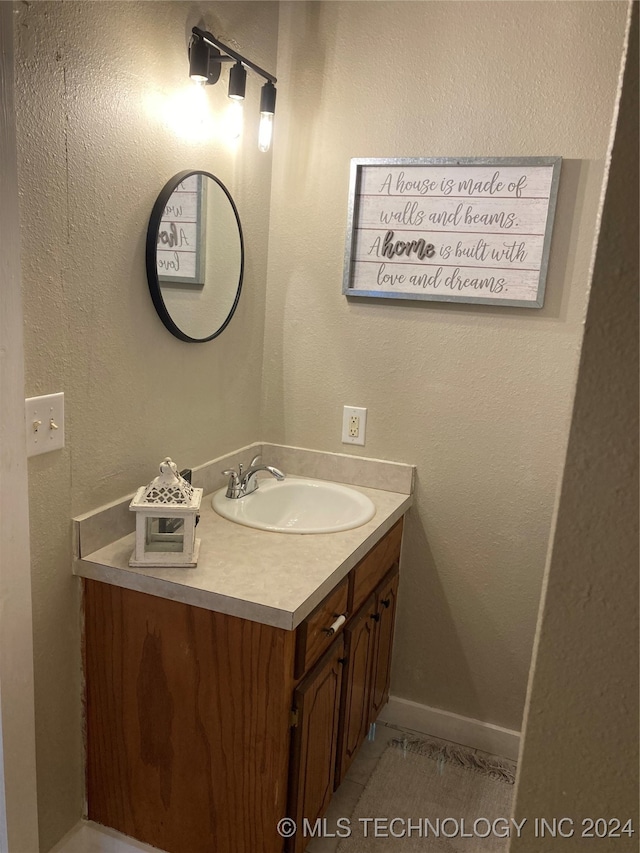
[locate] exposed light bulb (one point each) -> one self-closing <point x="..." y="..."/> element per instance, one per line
<point x="267" y="109"/>
<point x="188" y="115"/>
<point x="235" y="119"/>
<point x="265" y="131"/>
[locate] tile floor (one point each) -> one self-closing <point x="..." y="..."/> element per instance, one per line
<point x="89" y="837"/>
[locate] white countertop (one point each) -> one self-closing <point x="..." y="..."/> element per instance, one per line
<point x="273" y="578"/>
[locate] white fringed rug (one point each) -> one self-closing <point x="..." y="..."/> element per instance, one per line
<point x="435" y="796"/>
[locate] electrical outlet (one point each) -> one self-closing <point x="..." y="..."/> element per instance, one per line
<point x="44" y="420"/>
<point x="354" y="422"/>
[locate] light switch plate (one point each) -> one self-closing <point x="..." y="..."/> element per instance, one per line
<point x="44" y="420"/>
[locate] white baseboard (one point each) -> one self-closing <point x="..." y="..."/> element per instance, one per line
<point x="443" y="724"/>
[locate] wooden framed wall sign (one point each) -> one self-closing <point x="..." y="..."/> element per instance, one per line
<point x="452" y="230"/>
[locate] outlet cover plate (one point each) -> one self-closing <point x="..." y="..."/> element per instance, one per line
<point x="349" y="413"/>
<point x="44" y="421"/>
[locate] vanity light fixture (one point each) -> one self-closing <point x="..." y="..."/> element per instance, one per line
<point x="206" y="55"/>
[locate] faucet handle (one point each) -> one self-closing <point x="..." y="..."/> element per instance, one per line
<point x="234" y="481"/>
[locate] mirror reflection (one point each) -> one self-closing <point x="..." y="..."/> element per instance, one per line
<point x="195" y="256"/>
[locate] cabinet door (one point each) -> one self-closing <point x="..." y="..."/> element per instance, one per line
<point x="386" y="599"/>
<point x="316" y="711"/>
<point x="356" y="685"/>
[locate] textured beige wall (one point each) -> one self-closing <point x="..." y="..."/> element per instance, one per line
<point x="477" y="397"/>
<point x="18" y="800"/>
<point x="95" y="150"/>
<point x="585" y="678"/>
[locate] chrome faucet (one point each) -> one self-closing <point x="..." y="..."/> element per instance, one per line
<point x="243" y="483"/>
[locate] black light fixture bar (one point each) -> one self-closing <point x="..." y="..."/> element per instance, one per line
<point x="231" y="54"/>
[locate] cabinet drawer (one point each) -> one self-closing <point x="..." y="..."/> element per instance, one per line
<point x="373" y="568"/>
<point x="313" y="634"/>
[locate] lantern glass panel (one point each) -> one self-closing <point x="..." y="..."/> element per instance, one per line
<point x="164" y="535"/>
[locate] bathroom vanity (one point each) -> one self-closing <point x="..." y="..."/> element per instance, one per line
<point x="210" y="717"/>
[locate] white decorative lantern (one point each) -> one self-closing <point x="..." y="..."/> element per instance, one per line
<point x="166" y="516"/>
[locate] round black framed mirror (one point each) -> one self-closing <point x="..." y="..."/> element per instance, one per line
<point x="195" y="256"/>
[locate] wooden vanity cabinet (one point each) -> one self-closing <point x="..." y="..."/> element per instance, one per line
<point x="203" y="730"/>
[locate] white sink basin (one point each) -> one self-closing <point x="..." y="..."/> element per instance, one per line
<point x="297" y="506"/>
